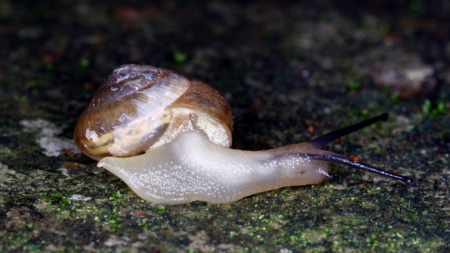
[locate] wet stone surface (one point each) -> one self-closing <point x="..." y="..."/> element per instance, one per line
<point x="290" y="71"/>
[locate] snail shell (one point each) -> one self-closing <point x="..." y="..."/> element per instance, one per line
<point x="140" y="107"/>
<point x="169" y="138"/>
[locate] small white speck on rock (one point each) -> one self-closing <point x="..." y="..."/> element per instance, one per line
<point x="52" y="145"/>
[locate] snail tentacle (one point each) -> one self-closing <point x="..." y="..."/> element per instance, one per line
<point x="334" y="158"/>
<point x="323" y="140"/>
<point x="359" y="165"/>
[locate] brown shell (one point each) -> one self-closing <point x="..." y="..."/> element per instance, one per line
<point x="133" y="109"/>
<point x="205" y="98"/>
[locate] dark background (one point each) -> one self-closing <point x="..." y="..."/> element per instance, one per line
<point x="291" y="70"/>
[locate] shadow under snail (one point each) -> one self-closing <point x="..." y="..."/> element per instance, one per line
<point x="169" y="137"/>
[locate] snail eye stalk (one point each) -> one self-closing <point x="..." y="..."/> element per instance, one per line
<point x="323" y="140"/>
<point x="359" y="165"/>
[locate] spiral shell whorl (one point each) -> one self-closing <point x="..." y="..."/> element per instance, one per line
<point x="124" y="80"/>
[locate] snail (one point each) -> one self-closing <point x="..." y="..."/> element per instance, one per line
<point x="169" y="137"/>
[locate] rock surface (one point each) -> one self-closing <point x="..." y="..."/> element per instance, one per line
<point x="290" y="71"/>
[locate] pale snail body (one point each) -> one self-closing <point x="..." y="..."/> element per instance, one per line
<point x="177" y="173"/>
<point x="186" y="140"/>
